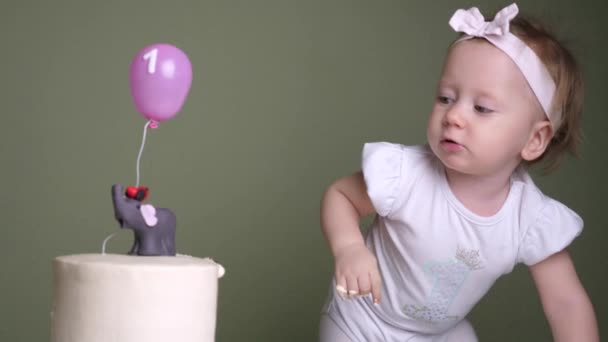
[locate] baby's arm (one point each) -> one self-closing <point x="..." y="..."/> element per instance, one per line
<point x="565" y="302"/>
<point x="343" y="205"/>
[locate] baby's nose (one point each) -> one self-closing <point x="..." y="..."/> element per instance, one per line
<point x="454" y="117"/>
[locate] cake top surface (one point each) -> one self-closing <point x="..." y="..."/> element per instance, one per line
<point x="131" y="260"/>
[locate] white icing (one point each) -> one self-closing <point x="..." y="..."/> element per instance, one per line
<point x="123" y="298"/>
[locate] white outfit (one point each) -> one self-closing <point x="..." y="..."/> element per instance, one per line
<point x="437" y="259"/>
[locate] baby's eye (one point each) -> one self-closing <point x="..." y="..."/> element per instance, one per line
<point x="443" y="99"/>
<point x="482" y="109"/>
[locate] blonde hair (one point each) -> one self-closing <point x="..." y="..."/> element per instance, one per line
<point x="568" y="99"/>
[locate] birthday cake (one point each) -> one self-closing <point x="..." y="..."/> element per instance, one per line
<point x="126" y="298"/>
<point x="150" y="294"/>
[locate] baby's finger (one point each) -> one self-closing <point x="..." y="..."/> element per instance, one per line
<point x="376" y="283"/>
<point x="341" y="286"/>
<point x="364" y="285"/>
<point x="352" y="286"/>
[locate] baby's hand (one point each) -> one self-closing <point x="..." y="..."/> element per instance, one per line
<point x="357" y="272"/>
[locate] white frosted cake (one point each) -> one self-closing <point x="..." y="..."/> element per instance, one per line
<point x="124" y="298"/>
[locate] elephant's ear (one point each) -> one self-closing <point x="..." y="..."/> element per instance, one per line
<point x="149" y="214"/>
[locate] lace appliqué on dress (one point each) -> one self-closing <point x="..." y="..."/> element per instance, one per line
<point x="448" y="277"/>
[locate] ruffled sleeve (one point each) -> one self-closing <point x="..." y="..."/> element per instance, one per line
<point x="389" y="171"/>
<point x="554" y="229"/>
<point x="381" y="166"/>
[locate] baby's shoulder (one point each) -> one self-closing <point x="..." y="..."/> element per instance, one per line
<point x="390" y="171"/>
<point x="419" y="150"/>
<point x="397" y="155"/>
<point x="538" y="209"/>
<point x="546" y="224"/>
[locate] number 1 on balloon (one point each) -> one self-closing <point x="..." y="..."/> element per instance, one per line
<point x="151" y="56"/>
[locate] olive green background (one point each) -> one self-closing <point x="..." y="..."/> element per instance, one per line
<point x="284" y="94"/>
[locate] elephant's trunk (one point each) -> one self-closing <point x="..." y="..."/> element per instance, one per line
<point x="117" y="200"/>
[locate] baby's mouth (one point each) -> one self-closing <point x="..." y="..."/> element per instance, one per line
<point x="450" y="145"/>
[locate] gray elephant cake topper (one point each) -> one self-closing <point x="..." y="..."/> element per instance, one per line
<point x="153" y="228"/>
<point x="158" y="97"/>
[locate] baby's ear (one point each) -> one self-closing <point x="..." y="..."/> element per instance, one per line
<point x="539" y="139"/>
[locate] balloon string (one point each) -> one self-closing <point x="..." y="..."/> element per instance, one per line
<point x="105" y="241"/>
<point x="141" y="150"/>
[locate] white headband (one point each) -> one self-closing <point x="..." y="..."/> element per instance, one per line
<point x="472" y="23"/>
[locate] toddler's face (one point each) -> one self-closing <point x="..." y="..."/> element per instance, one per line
<point x="484" y="111"/>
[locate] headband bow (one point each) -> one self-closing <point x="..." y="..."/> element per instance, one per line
<point x="472" y="23"/>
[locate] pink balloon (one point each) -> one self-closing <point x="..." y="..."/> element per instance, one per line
<point x="160" y="77"/>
